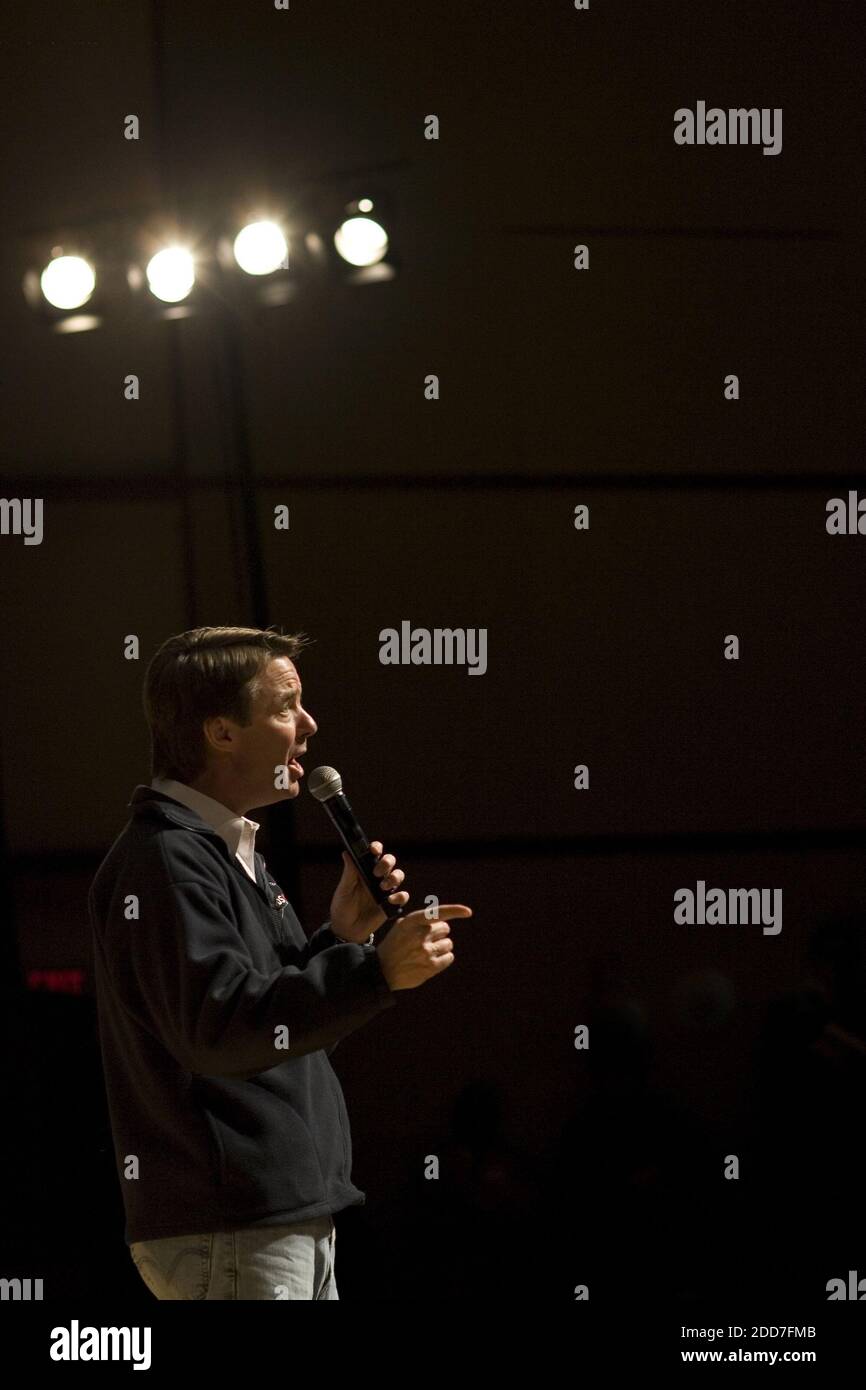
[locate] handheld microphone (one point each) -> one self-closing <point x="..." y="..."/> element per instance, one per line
<point x="326" y="785"/>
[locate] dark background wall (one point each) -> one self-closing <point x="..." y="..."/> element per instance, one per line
<point x="605" y="646"/>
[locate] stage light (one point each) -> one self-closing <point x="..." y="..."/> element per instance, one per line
<point x="171" y="274"/>
<point x="261" y="248"/>
<point x="67" y="282"/>
<point x="361" y="241"/>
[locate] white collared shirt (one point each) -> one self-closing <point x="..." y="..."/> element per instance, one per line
<point x="239" y="832"/>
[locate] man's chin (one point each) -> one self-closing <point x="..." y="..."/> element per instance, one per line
<point x="275" y="795"/>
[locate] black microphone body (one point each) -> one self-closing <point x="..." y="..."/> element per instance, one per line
<point x="343" y="818"/>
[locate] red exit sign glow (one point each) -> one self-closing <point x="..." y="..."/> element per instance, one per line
<point x="58" y="981"/>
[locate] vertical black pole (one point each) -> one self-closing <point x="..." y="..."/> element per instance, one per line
<point x="280" y="832"/>
<point x="168" y="193"/>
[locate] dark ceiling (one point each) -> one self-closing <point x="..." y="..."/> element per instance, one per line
<point x="556" y="127"/>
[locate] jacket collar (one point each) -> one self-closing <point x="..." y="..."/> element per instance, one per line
<point x="147" y="801"/>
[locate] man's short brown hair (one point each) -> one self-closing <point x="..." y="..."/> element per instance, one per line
<point x="201" y="673"/>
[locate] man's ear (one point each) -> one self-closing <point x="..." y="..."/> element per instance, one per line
<point x="218" y="733"/>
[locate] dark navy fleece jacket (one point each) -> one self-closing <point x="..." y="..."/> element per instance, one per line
<point x="201" y="976"/>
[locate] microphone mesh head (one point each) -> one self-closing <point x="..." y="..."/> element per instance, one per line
<point x="325" y="782"/>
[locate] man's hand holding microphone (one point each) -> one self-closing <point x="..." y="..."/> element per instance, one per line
<point x="369" y="895"/>
<point x="418" y="946"/>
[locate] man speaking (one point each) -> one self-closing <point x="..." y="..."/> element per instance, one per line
<point x="216" y="1015"/>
